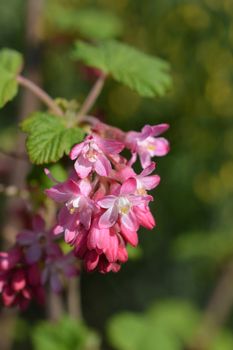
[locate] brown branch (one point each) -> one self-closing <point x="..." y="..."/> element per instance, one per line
<point x="15" y="155"/>
<point x="216" y="313"/>
<point x="74" y="299"/>
<point x="41" y="94"/>
<point x="92" y="96"/>
<point x="55" y="308"/>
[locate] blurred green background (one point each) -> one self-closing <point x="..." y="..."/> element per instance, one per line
<point x="157" y="299"/>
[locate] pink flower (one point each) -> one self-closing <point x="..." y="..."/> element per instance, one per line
<point x="78" y="205"/>
<point x="58" y="267"/>
<point x="34" y="241"/>
<point x="144" y="216"/>
<point x="107" y="241"/>
<point x="101" y="245"/>
<point x="9" y="259"/>
<point x="143" y="181"/>
<point x="146" y="144"/>
<point x="120" y="207"/>
<point x="107" y="131"/>
<point x="19" y="282"/>
<point x="92" y="155"/>
<point x="105" y="201"/>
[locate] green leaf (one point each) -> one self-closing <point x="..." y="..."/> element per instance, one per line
<point x="167" y="325"/>
<point x="66" y="334"/>
<point x="223" y="341"/>
<point x="130" y="331"/>
<point x="147" y="75"/>
<point x="178" y="317"/>
<point x="10" y="65"/>
<point x="48" y="137"/>
<point x="126" y="330"/>
<point x="89" y="22"/>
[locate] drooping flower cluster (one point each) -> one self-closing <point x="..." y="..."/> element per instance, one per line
<point x="104" y="200"/>
<point x="34" y="260"/>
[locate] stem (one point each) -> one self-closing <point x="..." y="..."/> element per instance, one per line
<point x="74" y="299"/>
<point x="217" y="311"/>
<point x="41" y="94"/>
<point x="92" y="96"/>
<point x="55" y="307"/>
<point x="15" y="155"/>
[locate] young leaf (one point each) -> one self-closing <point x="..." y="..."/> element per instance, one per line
<point x="147" y="75"/>
<point x="10" y="65"/>
<point x="89" y="22"/>
<point x="48" y="137"/>
<point x="63" y="335"/>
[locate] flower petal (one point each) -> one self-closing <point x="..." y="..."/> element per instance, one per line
<point x="102" y="166"/>
<point x="145" y="158"/>
<point x="128" y="187"/>
<point x="76" y="150"/>
<point x="150" y="182"/>
<point x="110" y="146"/>
<point x="129" y="221"/>
<point x="109" y="218"/>
<point x="159" y="129"/>
<point x="82" y="167"/>
<point x="162" y="147"/>
<point x="148" y="170"/>
<point x="91" y="260"/>
<point x="33" y="253"/>
<point x="130" y="236"/>
<point x="107" y="201"/>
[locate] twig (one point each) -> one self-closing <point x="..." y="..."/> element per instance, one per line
<point x="55" y="307"/>
<point x="216" y="313"/>
<point x="74" y="299"/>
<point x="92" y="96"/>
<point x="41" y="94"/>
<point x="15" y="155"/>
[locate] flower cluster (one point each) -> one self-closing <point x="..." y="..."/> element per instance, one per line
<point x="104" y="200"/>
<point x="34" y="260"/>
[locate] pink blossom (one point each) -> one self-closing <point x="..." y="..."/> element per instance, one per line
<point x="107" y="131"/>
<point x="9" y="259"/>
<point x="92" y="155"/>
<point x="105" y="201"/>
<point x="144" y="182"/>
<point x="107" y="241"/>
<point x="34" y="241"/>
<point x="101" y="245"/>
<point x="78" y="205"/>
<point x="146" y="144"/>
<point x="19" y="282"/>
<point x="120" y="207"/>
<point x="58" y="267"/>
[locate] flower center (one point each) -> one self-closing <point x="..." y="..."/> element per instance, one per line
<point x="73" y="204"/>
<point x="151" y="147"/>
<point x="148" y="144"/>
<point x="92" y="155"/>
<point x="141" y="191"/>
<point x="124" y="205"/>
<point x="92" y="152"/>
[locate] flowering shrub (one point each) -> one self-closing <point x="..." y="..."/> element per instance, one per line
<point x="103" y="202"/>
